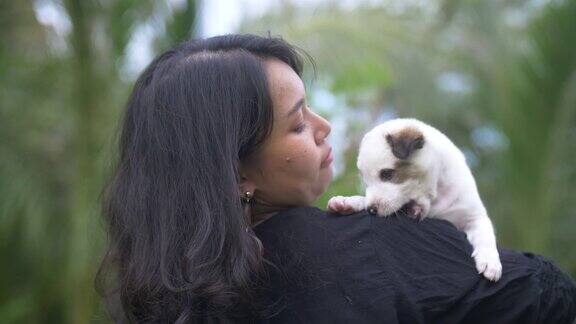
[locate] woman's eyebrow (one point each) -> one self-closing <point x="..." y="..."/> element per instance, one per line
<point x="296" y="107"/>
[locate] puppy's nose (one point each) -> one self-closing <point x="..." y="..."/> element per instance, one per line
<point x="372" y="209"/>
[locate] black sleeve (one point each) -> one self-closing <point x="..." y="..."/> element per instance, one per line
<point x="365" y="269"/>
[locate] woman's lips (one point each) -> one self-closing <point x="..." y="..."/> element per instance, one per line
<point x="328" y="159"/>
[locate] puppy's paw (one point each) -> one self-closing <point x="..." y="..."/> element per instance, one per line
<point x="338" y="205"/>
<point x="346" y="205"/>
<point x="488" y="263"/>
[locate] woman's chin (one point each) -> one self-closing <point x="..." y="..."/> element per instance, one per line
<point x="323" y="182"/>
<point x="326" y="176"/>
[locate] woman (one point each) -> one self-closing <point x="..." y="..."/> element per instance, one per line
<point x="209" y="220"/>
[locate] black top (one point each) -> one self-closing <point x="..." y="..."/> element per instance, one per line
<point x="367" y="269"/>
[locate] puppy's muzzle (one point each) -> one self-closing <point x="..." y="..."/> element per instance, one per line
<point x="373" y="209"/>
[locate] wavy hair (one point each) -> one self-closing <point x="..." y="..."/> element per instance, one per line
<point x="179" y="248"/>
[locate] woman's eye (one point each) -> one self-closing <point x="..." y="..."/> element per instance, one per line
<point x="386" y="174"/>
<point x="300" y="128"/>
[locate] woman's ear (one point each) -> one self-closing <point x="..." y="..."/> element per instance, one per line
<point x="245" y="184"/>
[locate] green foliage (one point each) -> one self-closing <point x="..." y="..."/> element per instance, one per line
<point x="369" y="74"/>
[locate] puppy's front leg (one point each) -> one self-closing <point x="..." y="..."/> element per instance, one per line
<point x="346" y="205"/>
<point x="480" y="233"/>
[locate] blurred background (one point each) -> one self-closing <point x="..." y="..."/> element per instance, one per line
<point x="497" y="76"/>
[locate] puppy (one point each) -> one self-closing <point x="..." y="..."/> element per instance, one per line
<point x="405" y="162"/>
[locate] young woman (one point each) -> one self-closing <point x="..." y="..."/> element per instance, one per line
<point x="209" y="220"/>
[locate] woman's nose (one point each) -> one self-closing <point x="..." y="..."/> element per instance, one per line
<point x="323" y="130"/>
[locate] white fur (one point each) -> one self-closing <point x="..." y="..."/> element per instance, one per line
<point x="447" y="190"/>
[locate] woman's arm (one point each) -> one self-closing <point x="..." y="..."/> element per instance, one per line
<point x="435" y="267"/>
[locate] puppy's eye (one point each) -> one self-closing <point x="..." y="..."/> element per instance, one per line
<point x="386" y="174"/>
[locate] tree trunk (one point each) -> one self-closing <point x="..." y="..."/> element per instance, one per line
<point x="84" y="191"/>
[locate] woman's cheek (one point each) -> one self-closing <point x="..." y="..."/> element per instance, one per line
<point x="299" y="157"/>
<point x="291" y="167"/>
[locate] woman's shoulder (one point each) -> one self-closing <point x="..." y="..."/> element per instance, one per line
<point x="361" y="240"/>
<point x="368" y="265"/>
<point x="320" y="225"/>
<point x="369" y="251"/>
<point x="310" y="233"/>
<point x="307" y="220"/>
<point x="325" y="269"/>
<point x="371" y="267"/>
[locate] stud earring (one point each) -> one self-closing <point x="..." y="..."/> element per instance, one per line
<point x="247" y="198"/>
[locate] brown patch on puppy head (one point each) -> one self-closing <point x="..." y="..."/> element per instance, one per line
<point x="404" y="170"/>
<point x="405" y="142"/>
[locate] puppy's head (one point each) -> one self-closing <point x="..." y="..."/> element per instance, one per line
<point x="391" y="164"/>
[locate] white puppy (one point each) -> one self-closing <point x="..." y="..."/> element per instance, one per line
<point x="404" y="162"/>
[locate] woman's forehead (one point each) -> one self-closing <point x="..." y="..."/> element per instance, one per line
<point x="286" y="87"/>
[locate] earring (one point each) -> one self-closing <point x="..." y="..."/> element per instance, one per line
<point x="247" y="199"/>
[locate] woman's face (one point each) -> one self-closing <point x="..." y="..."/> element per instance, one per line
<point x="294" y="165"/>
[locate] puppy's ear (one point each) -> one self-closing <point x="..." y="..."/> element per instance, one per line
<point x="405" y="142"/>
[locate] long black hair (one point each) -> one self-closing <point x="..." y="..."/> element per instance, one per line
<point x="180" y="249"/>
